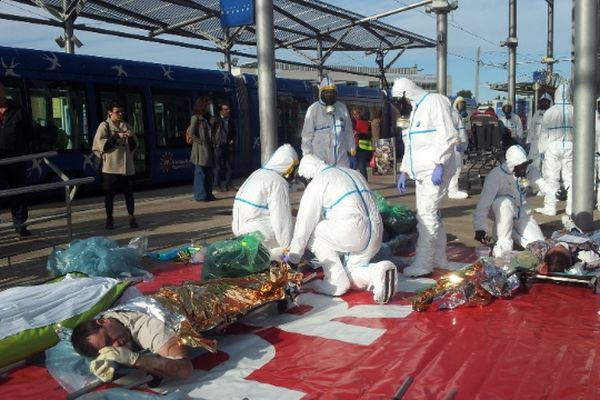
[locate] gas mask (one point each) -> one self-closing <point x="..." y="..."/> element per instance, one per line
<point x="520" y="171"/>
<point x="507" y="111"/>
<point x="329" y="97"/>
<point x="404" y="109"/>
<point x="544" y="104"/>
<point x="292" y="172"/>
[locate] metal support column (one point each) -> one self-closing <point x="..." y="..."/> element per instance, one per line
<point x="584" y="100"/>
<point x="69" y="36"/>
<point x="512" y="43"/>
<point x="550" y="46"/>
<point x="442" y="52"/>
<point x="319" y="60"/>
<point x="477" y="66"/>
<point x="267" y="90"/>
<point x="227" y="51"/>
<point x="441" y="8"/>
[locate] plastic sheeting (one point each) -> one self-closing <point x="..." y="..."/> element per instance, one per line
<point x="542" y="344"/>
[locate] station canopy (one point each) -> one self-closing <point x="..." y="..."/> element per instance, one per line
<point x="299" y="25"/>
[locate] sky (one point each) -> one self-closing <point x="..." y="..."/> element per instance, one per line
<point x="476" y="23"/>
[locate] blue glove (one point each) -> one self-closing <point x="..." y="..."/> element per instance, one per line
<point x="353" y="162"/>
<point x="438" y="173"/>
<point x="402" y="183"/>
<point x="542" y="156"/>
<point x="460" y="148"/>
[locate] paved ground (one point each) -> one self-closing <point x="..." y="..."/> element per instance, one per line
<point x="170" y="217"/>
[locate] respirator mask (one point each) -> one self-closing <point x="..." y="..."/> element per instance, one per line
<point x="329" y="97"/>
<point x="404" y="109"/>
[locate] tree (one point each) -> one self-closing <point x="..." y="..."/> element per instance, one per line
<point x="465" y="94"/>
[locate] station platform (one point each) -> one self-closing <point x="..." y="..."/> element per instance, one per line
<point x="170" y="217"/>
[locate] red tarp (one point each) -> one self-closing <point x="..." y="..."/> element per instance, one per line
<point x="539" y="345"/>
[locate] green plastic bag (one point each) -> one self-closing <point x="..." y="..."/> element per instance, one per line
<point x="397" y="218"/>
<point x="239" y="256"/>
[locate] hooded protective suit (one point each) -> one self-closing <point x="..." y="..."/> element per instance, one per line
<point x="328" y="136"/>
<point x="556" y="142"/>
<point x="339" y="217"/>
<point x="513" y="122"/>
<point x="463" y="125"/>
<point x="429" y="141"/>
<point x="533" y="138"/>
<point x="504" y="200"/>
<point x="262" y="203"/>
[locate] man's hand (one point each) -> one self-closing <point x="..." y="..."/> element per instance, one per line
<point x="401" y="185"/>
<point x="480" y="237"/>
<point x="103" y="369"/>
<point x="121" y="355"/>
<point x="542" y="156"/>
<point x="437" y="174"/>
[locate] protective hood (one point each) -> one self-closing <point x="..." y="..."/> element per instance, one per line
<point x="506" y="103"/>
<point x="326" y="84"/>
<point x="413" y="91"/>
<point x="515" y="155"/>
<point x="563" y="94"/>
<point x="310" y="166"/>
<point x="283" y="160"/>
<point x="457" y="100"/>
<point x="546" y="96"/>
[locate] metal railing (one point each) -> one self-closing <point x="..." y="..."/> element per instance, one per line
<point x="70" y="186"/>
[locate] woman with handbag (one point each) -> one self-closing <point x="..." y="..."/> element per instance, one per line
<point x="203" y="150"/>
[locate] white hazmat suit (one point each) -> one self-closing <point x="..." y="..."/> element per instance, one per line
<point x="513" y="122"/>
<point x="556" y="142"/>
<point x="328" y="135"/>
<point x="428" y="142"/>
<point x="533" y="138"/>
<point x="262" y="203"/>
<point x="504" y="201"/>
<point x="338" y="217"/>
<point x="464" y="126"/>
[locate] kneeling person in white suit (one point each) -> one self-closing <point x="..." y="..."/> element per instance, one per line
<point x="338" y="217"/>
<point x="503" y="199"/>
<point x="263" y="202"/>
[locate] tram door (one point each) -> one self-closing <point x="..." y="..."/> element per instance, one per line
<point x="132" y="100"/>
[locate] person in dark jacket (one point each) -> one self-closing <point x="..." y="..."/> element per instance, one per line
<point x="15" y="139"/>
<point x="225" y="136"/>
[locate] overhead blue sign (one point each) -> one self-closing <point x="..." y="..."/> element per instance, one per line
<point x="237" y="13"/>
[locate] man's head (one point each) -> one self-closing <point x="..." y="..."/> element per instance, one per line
<point x="459" y="104"/>
<point x="310" y="166"/>
<point x="224" y="110"/>
<point x="507" y="108"/>
<point x="516" y="161"/>
<point x="90" y="336"/>
<point x="557" y="259"/>
<point x="356" y="113"/>
<point x="545" y="102"/>
<point x="115" y="112"/>
<point x="328" y="91"/>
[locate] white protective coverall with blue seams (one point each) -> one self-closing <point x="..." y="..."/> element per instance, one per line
<point x="338" y="217"/>
<point x="328" y="135"/>
<point x="504" y="201"/>
<point x="511" y="121"/>
<point x="463" y="122"/>
<point x="533" y="139"/>
<point x="429" y="141"/>
<point x="262" y="203"/>
<point x="556" y="140"/>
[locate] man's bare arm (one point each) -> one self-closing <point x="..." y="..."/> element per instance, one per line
<point x="170" y="361"/>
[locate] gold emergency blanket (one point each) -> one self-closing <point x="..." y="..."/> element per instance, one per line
<point x="208" y="304"/>
<point x="474" y="285"/>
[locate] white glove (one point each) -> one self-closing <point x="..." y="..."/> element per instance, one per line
<point x="103" y="369"/>
<point x="121" y="355"/>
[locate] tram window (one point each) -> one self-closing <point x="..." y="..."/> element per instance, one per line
<point x="59" y="116"/>
<point x="171" y="117"/>
<point x="291" y="119"/>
